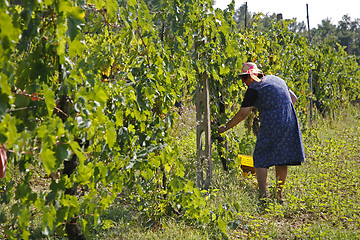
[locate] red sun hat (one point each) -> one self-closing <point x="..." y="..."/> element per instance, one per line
<point x="251" y="69"/>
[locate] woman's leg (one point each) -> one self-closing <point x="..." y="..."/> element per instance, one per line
<point x="281" y="173"/>
<point x="261" y="175"/>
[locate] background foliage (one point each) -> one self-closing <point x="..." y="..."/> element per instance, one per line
<point x="91" y="86"/>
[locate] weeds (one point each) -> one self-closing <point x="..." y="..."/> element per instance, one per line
<point x="322" y="197"/>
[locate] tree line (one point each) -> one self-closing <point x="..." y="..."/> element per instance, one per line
<point x="346" y="32"/>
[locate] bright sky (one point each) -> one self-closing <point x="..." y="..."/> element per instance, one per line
<point x="318" y="9"/>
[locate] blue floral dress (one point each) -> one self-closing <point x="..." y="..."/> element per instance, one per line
<point x="279" y="139"/>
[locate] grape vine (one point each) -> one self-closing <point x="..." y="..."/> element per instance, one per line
<point x="87" y="103"/>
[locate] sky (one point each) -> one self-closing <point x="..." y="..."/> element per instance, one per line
<point x="318" y="9"/>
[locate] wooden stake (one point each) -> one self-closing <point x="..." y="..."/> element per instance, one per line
<point x="245" y="15"/>
<point x="203" y="133"/>
<point x="310" y="72"/>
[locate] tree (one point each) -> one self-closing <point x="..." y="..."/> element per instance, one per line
<point x="241" y="15"/>
<point x="298" y="27"/>
<point x="326" y="31"/>
<point x="348" y="32"/>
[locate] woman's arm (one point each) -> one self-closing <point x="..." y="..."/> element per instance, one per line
<point x="293" y="97"/>
<point x="240" y="115"/>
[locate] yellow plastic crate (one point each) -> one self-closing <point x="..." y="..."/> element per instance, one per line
<point x="246" y="160"/>
<point x="246" y="164"/>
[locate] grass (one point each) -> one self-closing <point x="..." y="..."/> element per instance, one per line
<point x="322" y="196"/>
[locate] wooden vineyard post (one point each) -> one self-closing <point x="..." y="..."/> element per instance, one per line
<point x="203" y="133"/>
<point x="310" y="72"/>
<point x="246" y="14"/>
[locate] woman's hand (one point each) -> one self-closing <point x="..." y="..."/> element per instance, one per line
<point x="241" y="115"/>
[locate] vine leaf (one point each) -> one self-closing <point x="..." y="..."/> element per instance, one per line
<point x="112" y="6"/>
<point x="48" y="159"/>
<point x="132" y="3"/>
<point x="77" y="150"/>
<point x="110" y="135"/>
<point x="74" y="25"/>
<point x="49" y="99"/>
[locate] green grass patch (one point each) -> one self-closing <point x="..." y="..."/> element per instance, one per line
<point x="321" y="196"/>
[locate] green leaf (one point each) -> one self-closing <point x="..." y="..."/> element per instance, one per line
<point x="49" y="99"/>
<point x="85" y="224"/>
<point x="8" y="31"/>
<point x="107" y="224"/>
<point x="99" y="4"/>
<point x="65" y="7"/>
<point x="112" y="6"/>
<point x="61" y="214"/>
<point x="22" y="191"/>
<point x="48" y="159"/>
<point x="76" y="47"/>
<point x="73" y="201"/>
<point x="48" y="2"/>
<point x="74" y="25"/>
<point x="77" y="150"/>
<point x="61" y="153"/>
<point x="110" y="135"/>
<point x="4" y="84"/>
<point x="101" y="95"/>
<point x="4" y="99"/>
<point x="3" y="218"/>
<point x="132" y="3"/>
<point x="49" y="216"/>
<point x="85" y="173"/>
<point x="222" y="224"/>
<point x="61" y="39"/>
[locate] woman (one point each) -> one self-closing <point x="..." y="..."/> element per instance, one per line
<point x="279" y="141"/>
